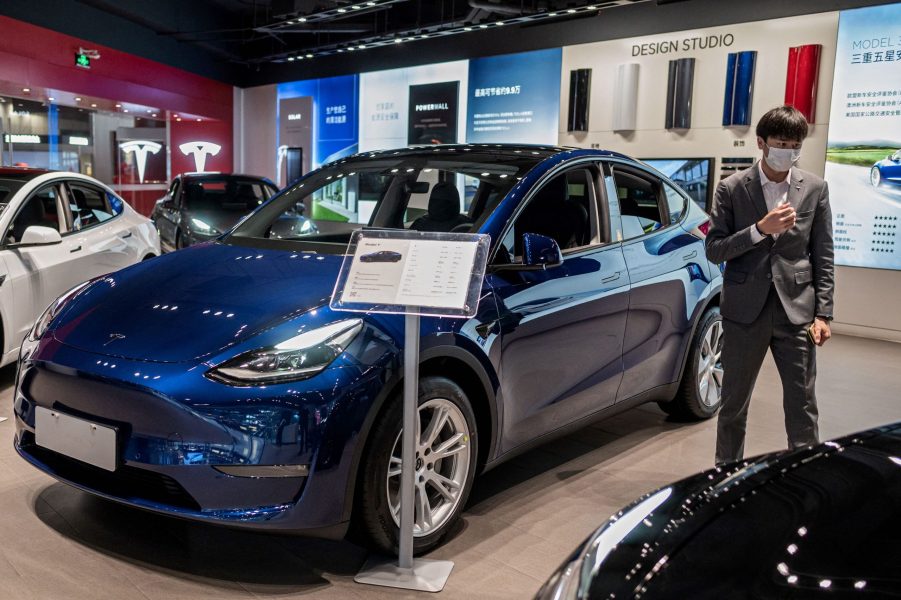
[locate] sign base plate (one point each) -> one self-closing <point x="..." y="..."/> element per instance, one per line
<point x="425" y="576"/>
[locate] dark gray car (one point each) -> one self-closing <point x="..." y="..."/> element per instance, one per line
<point x="199" y="207"/>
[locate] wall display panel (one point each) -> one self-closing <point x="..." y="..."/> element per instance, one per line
<point x="579" y="94"/>
<point x="863" y="160"/>
<point x="739" y="88"/>
<point x="319" y="116"/>
<point x="802" y="78"/>
<point x="691" y="174"/>
<point x="510" y="99"/>
<point x="433" y="113"/>
<point x="625" y="97"/>
<point x="385" y="101"/>
<point x="678" y="93"/>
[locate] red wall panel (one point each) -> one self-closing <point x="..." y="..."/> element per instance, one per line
<point x="801" y="79"/>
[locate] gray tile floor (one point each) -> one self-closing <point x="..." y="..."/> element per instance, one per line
<point x="523" y="518"/>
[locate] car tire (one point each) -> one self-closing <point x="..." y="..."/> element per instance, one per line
<point x="875" y="177"/>
<point x="700" y="392"/>
<point x="442" y="402"/>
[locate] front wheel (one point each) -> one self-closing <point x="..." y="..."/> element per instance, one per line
<point x="444" y="468"/>
<point x="875" y="177"/>
<point x="701" y="391"/>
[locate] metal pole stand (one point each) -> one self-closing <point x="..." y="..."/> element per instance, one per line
<point x="408" y="573"/>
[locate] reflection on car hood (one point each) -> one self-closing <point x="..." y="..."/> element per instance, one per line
<point x="803" y="522"/>
<point x="195" y="302"/>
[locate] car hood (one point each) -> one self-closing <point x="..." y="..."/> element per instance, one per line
<point x="195" y="302"/>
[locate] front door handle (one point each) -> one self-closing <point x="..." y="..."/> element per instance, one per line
<point x="610" y="278"/>
<point x="690" y="255"/>
<point x="75" y="249"/>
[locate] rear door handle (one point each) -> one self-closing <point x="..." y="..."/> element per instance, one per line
<point x="125" y="236"/>
<point x="610" y="278"/>
<point x="75" y="249"/>
<point x="690" y="255"/>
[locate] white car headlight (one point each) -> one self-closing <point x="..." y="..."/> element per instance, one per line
<point x="203" y="228"/>
<point x="296" y="358"/>
<point x="50" y="313"/>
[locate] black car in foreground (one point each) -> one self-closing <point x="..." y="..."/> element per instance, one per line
<point x="819" y="522"/>
<point x="201" y="206"/>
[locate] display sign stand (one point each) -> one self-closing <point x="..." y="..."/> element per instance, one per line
<point x="415" y="274"/>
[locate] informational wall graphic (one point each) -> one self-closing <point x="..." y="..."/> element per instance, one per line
<point x="432" y="115"/>
<point x="512" y="98"/>
<point x="387" y="110"/>
<point x="863" y="159"/>
<point x="333" y="120"/>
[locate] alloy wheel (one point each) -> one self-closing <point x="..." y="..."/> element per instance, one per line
<point x="710" y="366"/>
<point x="441" y="469"/>
<point x="875" y="177"/>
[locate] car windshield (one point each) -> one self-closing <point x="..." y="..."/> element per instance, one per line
<point x="8" y="187"/>
<point x="445" y="189"/>
<point x="226" y="194"/>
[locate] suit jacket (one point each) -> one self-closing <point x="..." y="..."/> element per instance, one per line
<point x="799" y="262"/>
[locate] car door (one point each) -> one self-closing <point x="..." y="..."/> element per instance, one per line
<point x="167" y="214"/>
<point x="36" y="275"/>
<point x="561" y="328"/>
<point x="893" y="171"/>
<point x="105" y="242"/>
<point x="664" y="264"/>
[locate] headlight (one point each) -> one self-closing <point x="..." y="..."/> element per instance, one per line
<point x="300" y="357"/>
<point x="43" y="322"/>
<point x="203" y="228"/>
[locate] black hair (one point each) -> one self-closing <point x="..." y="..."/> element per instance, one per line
<point x="784" y="122"/>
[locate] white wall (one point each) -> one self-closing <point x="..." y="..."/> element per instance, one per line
<point x="864" y="297"/>
<point x="256" y="131"/>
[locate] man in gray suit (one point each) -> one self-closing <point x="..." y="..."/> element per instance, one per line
<point x="772" y="226"/>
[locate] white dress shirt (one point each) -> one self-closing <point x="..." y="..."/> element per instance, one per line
<point x="773" y="193"/>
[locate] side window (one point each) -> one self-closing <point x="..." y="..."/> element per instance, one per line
<point x="639" y="202"/>
<point x="675" y="203"/>
<point x="41" y="208"/>
<point x="88" y="205"/>
<point x="116" y="204"/>
<point x="563" y="209"/>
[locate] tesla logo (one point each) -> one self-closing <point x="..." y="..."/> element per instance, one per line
<point x="141" y="148"/>
<point x="200" y="150"/>
<point x="113" y="337"/>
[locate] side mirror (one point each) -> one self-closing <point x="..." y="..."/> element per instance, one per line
<point x="168" y="203"/>
<point x="539" y="253"/>
<point x="300" y="208"/>
<point x="40" y="236"/>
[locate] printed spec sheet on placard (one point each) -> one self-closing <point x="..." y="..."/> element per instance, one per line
<point x="410" y="273"/>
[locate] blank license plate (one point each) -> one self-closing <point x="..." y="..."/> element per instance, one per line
<point x="77" y="438"/>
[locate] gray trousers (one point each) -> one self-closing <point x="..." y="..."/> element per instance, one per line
<point x="744" y="347"/>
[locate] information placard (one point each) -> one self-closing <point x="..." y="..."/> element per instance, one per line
<point x="412" y="272"/>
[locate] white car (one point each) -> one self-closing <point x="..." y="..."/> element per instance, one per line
<point x="58" y="229"/>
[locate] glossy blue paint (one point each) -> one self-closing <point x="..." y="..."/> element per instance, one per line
<point x="545" y="349"/>
<point x="739" y="88"/>
<point x="888" y="169"/>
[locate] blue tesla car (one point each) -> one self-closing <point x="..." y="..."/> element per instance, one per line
<point x="887" y="170"/>
<point x="216" y="384"/>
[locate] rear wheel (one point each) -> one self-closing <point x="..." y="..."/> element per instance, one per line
<point x="700" y="393"/>
<point x="444" y="467"/>
<point x="875" y="177"/>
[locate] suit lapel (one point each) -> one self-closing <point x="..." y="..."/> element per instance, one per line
<point x="755" y="191"/>
<point x="794" y="197"/>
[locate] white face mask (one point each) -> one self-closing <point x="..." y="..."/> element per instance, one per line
<point x="782" y="159"/>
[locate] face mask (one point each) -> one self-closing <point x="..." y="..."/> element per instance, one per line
<point x="782" y="159"/>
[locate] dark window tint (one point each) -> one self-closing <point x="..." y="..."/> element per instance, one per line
<point x="8" y="187"/>
<point x="231" y="195"/>
<point x="88" y="205"/>
<point x="639" y="202"/>
<point x="40" y="209"/>
<point x="561" y="209"/>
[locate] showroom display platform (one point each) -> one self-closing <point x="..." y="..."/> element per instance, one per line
<point x="522" y="521"/>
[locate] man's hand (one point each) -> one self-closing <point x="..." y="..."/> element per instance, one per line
<point x="778" y="220"/>
<point x="821" y="331"/>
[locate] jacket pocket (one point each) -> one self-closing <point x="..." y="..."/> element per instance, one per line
<point x="804" y="215"/>
<point x="803" y="277"/>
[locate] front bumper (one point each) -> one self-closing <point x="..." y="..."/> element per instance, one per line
<point x="175" y="427"/>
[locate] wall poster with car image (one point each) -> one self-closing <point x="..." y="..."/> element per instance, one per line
<point x="863" y="158"/>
